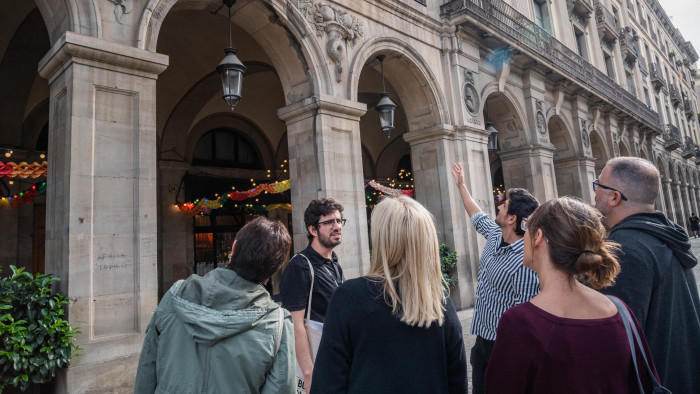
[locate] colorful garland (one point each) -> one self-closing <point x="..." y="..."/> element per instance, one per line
<point x="206" y="206"/>
<point x="25" y="197"/>
<point x="390" y="191"/>
<point x="23" y="169"/>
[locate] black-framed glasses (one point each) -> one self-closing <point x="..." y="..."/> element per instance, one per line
<point x="331" y="222"/>
<point x="597" y="184"/>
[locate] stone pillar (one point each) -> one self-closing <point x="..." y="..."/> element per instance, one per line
<point x="688" y="206"/>
<point x="325" y="160"/>
<point x="101" y="208"/>
<point x="531" y="168"/>
<point x="661" y="199"/>
<point x="667" y="188"/>
<point x="433" y="151"/>
<point x="677" y="196"/>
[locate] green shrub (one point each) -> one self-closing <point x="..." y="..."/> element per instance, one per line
<point x="34" y="337"/>
<point x="448" y="260"/>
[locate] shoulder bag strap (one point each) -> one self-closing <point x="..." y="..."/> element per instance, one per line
<point x="279" y="330"/>
<point x="311" y="289"/>
<point x="632" y="332"/>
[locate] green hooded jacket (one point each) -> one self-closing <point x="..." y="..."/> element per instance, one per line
<point x="217" y="334"/>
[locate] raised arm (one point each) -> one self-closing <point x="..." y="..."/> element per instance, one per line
<point x="469" y="204"/>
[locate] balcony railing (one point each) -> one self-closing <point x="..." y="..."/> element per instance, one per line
<point x="627" y="44"/>
<point x="607" y="23"/>
<point x="675" y="97"/>
<point x="656" y="79"/>
<point x="688" y="148"/>
<point x="672" y="138"/>
<point x="517" y="30"/>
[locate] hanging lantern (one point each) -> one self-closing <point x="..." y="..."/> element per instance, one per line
<point x="231" y="69"/>
<point x="493" y="137"/>
<point x="385" y="107"/>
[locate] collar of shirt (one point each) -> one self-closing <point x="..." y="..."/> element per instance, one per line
<point x="514" y="247"/>
<point x="317" y="259"/>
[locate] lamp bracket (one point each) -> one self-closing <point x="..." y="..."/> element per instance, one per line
<point x="229" y="3"/>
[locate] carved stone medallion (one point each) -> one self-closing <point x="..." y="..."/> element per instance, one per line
<point x="470" y="95"/>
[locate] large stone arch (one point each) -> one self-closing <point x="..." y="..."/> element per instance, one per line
<point x="566" y="160"/>
<point x="515" y="111"/>
<point x="78" y="16"/>
<point x="419" y="91"/>
<point x="293" y="39"/>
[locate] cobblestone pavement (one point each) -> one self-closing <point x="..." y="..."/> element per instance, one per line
<point x="465" y="316"/>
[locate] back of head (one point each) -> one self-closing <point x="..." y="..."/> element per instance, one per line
<point x="319" y="207"/>
<point x="576" y="238"/>
<point x="637" y="178"/>
<point x="521" y="204"/>
<point x="406" y="259"/>
<point x="262" y="246"/>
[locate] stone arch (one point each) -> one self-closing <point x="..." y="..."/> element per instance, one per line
<point x="507" y="116"/>
<point x="389" y="157"/>
<point x="235" y="121"/>
<point x="644" y="154"/>
<point x="82" y="17"/>
<point x="34" y="123"/>
<point x="566" y="163"/>
<point x="419" y="90"/>
<point x="624" y="148"/>
<point x="369" y="168"/>
<point x="300" y="65"/>
<point x="599" y="151"/>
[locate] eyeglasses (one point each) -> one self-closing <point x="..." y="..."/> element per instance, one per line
<point x="597" y="184"/>
<point x="331" y="222"/>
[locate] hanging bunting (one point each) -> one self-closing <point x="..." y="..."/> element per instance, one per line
<point x="390" y="191"/>
<point x="205" y="206"/>
<point x="23" y="169"/>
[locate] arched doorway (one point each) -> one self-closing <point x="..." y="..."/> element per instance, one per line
<point x="566" y="163"/>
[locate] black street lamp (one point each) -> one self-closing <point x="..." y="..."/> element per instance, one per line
<point x="385" y="107"/>
<point x="231" y="69"/>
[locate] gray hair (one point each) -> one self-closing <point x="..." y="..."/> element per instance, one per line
<point x="638" y="178"/>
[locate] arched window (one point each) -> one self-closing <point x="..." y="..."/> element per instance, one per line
<point x="224" y="147"/>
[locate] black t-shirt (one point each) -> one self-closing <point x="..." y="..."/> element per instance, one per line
<point x="296" y="280"/>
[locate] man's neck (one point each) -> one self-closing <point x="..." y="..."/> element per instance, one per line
<point x="509" y="235"/>
<point x="617" y="216"/>
<point x="322" y="250"/>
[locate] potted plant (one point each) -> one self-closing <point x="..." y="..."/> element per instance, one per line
<point x="671" y="54"/>
<point x="448" y="260"/>
<point x="35" y="339"/>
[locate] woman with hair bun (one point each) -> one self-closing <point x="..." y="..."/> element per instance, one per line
<point x="569" y="338"/>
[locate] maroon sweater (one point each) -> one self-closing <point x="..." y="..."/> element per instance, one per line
<point x="537" y="352"/>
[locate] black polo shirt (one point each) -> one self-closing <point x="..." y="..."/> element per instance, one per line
<point x="296" y="280"/>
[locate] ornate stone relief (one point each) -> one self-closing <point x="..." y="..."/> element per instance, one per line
<point x="121" y="8"/>
<point x="470" y="96"/>
<point x="541" y="121"/>
<point x="616" y="146"/>
<point x="637" y="149"/>
<point x="584" y="134"/>
<point x="337" y="24"/>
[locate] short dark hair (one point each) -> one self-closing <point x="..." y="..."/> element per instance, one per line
<point x="521" y="204"/>
<point x="317" y="208"/>
<point x="262" y="247"/>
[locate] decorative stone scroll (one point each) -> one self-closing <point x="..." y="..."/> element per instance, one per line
<point x="337" y="24"/>
<point x="471" y="98"/>
<point x="541" y="121"/>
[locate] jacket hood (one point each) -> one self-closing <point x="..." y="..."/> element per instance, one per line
<point x="657" y="225"/>
<point x="219" y="305"/>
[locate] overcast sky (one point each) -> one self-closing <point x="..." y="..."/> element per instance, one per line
<point x="684" y="15"/>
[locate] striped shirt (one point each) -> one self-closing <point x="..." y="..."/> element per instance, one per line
<point x="503" y="279"/>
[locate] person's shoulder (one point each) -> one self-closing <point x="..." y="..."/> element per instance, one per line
<point x="298" y="261"/>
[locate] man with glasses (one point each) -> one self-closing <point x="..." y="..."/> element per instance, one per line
<point x="503" y="280"/>
<point x="656" y="280"/>
<point x="324" y="225"/>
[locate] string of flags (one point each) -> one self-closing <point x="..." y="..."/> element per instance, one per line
<point x="389" y="190"/>
<point x="24" y="197"/>
<point x="205" y="206"/>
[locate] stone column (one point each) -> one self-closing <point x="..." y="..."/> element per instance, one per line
<point x="325" y="160"/>
<point x="660" y="200"/>
<point x="433" y="151"/>
<point x="101" y="208"/>
<point x="688" y="206"/>
<point x="680" y="209"/>
<point x="531" y="168"/>
<point x="667" y="189"/>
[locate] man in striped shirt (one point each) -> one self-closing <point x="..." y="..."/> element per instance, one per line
<point x="503" y="279"/>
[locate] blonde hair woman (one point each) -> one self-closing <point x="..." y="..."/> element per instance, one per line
<point x="394" y="330"/>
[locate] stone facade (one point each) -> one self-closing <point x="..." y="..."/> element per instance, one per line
<point x="121" y="93"/>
